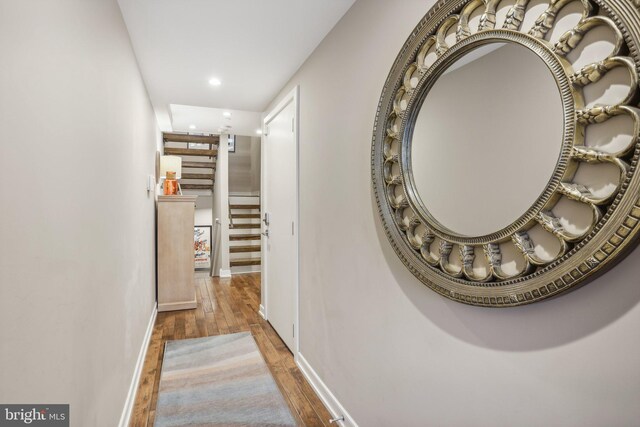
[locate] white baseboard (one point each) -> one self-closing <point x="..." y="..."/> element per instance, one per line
<point x="246" y="269"/>
<point x="333" y="405"/>
<point x="261" y="312"/>
<point x="137" y="373"/>
<point x="225" y="273"/>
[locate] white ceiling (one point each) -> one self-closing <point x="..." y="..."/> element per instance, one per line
<point x="211" y="120"/>
<point x="252" y="46"/>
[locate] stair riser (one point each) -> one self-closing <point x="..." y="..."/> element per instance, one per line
<point x="244" y="256"/>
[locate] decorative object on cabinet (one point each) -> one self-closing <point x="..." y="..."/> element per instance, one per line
<point x="170" y="184"/>
<point x="171" y="172"/>
<point x="490" y="194"/>
<point x="171" y="164"/>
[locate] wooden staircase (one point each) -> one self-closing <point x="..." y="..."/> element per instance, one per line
<point x="199" y="154"/>
<point x="244" y="235"/>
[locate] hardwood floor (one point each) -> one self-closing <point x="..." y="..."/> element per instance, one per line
<point x="227" y="306"/>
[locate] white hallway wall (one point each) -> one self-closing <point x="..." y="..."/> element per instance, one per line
<point x="244" y="166"/>
<point x="204" y="210"/>
<point x="77" y="272"/>
<point x="395" y="353"/>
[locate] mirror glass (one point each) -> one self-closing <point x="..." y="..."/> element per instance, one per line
<point x="487" y="139"/>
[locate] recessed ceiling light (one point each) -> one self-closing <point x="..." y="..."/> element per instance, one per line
<point x="192" y="126"/>
<point x="215" y="82"/>
<point x="226" y="114"/>
<point x="259" y="131"/>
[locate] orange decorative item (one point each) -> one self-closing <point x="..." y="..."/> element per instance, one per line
<point x="171" y="184"/>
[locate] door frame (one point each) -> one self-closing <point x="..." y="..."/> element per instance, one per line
<point x="291" y="97"/>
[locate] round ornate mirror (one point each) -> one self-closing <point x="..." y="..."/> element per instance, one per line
<point x="483" y="164"/>
<point x="506" y="144"/>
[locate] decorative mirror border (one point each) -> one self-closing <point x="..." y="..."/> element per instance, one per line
<point x="615" y="229"/>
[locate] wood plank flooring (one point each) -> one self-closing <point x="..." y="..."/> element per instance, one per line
<point x="227" y="306"/>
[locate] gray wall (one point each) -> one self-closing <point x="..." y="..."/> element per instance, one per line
<point x="441" y="143"/>
<point x="77" y="273"/>
<point x="395" y="353"/>
<point x="204" y="210"/>
<point x="244" y="166"/>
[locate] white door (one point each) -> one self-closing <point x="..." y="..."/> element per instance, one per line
<point x="280" y="203"/>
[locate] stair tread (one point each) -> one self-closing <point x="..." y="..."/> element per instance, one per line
<point x="244" y="206"/>
<point x="245" y="261"/>
<point x="245" y="226"/>
<point x="207" y="176"/>
<point x="198" y="139"/>
<point x="236" y="249"/>
<point x="190" y="152"/>
<point x="196" y="186"/>
<point x="244" y="237"/>
<point x="199" y="165"/>
<point x="245" y="216"/>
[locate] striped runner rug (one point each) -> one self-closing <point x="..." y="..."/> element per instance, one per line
<point x="218" y="381"/>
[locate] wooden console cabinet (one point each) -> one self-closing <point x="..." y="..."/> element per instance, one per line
<point x="176" y="265"/>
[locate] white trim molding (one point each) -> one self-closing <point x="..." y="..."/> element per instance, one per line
<point x="246" y="269"/>
<point x="182" y="305"/>
<point x="225" y="273"/>
<point x="262" y="312"/>
<point x="125" y="418"/>
<point x="330" y="401"/>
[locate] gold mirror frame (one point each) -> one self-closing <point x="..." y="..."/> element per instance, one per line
<point x="412" y="231"/>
